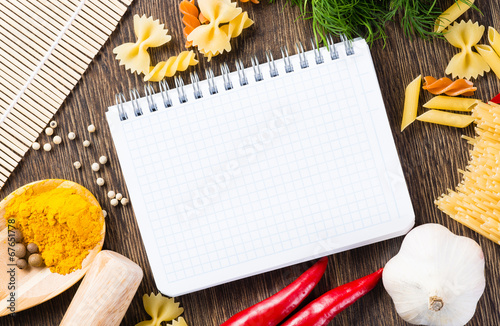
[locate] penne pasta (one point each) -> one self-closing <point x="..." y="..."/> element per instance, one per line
<point x="451" y="103"/>
<point x="490" y="56"/>
<point x="451" y="14"/>
<point x="411" y="102"/>
<point x="446" y="118"/>
<point x="494" y="39"/>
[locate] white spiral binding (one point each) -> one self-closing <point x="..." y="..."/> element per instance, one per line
<point x="225" y="72"/>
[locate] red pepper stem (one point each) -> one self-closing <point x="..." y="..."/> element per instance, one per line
<point x="322" y="310"/>
<point x="274" y="309"/>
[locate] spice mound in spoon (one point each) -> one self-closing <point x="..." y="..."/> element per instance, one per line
<point x="63" y="224"/>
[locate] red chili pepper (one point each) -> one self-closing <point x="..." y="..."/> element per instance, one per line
<point x="274" y="309"/>
<point x="496" y="99"/>
<point x="320" y="311"/>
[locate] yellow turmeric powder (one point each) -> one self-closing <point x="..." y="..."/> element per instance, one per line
<point x="63" y="225"/>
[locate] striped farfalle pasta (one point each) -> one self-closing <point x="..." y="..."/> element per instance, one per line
<point x="161" y="309"/>
<point x="447" y="86"/>
<point x="171" y="66"/>
<point x="190" y="18"/>
<point x="466" y="63"/>
<point x="149" y="33"/>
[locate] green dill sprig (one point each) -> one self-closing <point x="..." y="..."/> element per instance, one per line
<point x="368" y="18"/>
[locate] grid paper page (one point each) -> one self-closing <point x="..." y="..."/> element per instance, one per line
<point x="264" y="175"/>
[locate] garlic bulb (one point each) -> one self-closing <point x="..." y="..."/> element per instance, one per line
<point x="436" y="278"/>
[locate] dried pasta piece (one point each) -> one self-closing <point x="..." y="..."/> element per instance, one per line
<point x="236" y="25"/>
<point x="474" y="202"/>
<point x="171" y="66"/>
<point x="466" y="63"/>
<point x="447" y="86"/>
<point x="253" y="1"/>
<point x="160" y="309"/>
<point x="451" y="14"/>
<point x="490" y="56"/>
<point x="446" y="118"/>
<point x="494" y="39"/>
<point x="149" y="33"/>
<point x="411" y="102"/>
<point x="451" y="103"/>
<point x="190" y="18"/>
<point x="210" y="38"/>
<point x="178" y="322"/>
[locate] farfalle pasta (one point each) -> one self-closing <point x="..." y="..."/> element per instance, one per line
<point x="171" y="66"/>
<point x="466" y="63"/>
<point x="160" y="309"/>
<point x="210" y="38"/>
<point x="236" y="25"/>
<point x="149" y="33"/>
<point x="224" y="21"/>
<point x="178" y="322"/>
<point x="190" y="18"/>
<point x="447" y="86"/>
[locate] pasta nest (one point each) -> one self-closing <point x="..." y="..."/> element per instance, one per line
<point x="466" y="63"/>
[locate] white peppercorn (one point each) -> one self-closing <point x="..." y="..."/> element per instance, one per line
<point x="114" y="201"/>
<point x="47" y="147"/>
<point x="103" y="160"/>
<point x="49" y="131"/>
<point x="71" y="135"/>
<point x="35" y="146"/>
<point x="57" y="140"/>
<point x="86" y="143"/>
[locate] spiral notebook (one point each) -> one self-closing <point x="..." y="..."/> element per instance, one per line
<point x="262" y="167"/>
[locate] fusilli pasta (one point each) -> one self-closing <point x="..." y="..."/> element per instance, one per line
<point x="171" y="66"/>
<point x="447" y="86"/>
<point x="149" y="33"/>
<point x="190" y="18"/>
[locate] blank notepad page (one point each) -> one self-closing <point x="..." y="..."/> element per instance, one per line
<point x="261" y="176"/>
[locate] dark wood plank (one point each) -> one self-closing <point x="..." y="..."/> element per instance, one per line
<point x="430" y="156"/>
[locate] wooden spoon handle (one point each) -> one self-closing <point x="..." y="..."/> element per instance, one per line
<point x="105" y="293"/>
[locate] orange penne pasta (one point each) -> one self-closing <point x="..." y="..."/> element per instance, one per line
<point x="447" y="86"/>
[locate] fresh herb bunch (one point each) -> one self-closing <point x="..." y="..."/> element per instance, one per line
<point x="368" y="18"/>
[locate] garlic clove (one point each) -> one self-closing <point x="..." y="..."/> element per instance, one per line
<point x="436" y="278"/>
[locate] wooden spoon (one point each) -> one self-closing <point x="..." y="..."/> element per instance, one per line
<point x="35" y="285"/>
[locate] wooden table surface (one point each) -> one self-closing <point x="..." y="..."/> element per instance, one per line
<point x="430" y="156"/>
